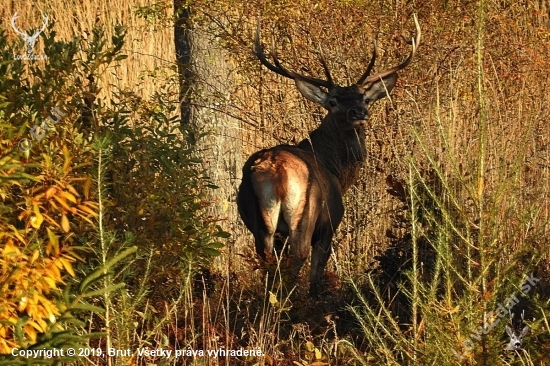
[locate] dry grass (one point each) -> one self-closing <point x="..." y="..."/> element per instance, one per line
<point x="150" y="44"/>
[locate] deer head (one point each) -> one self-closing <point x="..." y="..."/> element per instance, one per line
<point x="516" y="332"/>
<point x="348" y="102"/>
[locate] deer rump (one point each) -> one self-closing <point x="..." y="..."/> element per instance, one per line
<point x="285" y="191"/>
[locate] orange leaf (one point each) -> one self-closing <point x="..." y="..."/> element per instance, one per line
<point x="87" y="186"/>
<point x="65" y="223"/>
<point x="69" y="196"/>
<point x="62" y="203"/>
<point x="71" y="189"/>
<point x="51" y="191"/>
<point x="87" y="210"/>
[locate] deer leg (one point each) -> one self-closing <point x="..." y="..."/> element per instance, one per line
<point x="319" y="258"/>
<point x="299" y="250"/>
<point x="264" y="244"/>
<point x="270" y="216"/>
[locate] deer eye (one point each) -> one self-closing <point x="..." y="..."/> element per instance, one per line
<point x="332" y="103"/>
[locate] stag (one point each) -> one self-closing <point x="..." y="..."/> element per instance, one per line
<point x="294" y="192"/>
<point x="30" y="40"/>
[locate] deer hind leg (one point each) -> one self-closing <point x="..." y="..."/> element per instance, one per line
<point x="295" y="212"/>
<point x="266" y="184"/>
<point x="320" y="254"/>
<point x="270" y="207"/>
<point x="300" y="229"/>
<point x="322" y="244"/>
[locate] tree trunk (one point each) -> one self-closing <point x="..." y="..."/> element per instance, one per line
<point x="182" y="39"/>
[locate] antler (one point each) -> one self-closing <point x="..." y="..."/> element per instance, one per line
<point x="46" y="19"/>
<point x="365" y="78"/>
<point x="361" y="80"/>
<point x="276" y="67"/>
<point x="13" y="18"/>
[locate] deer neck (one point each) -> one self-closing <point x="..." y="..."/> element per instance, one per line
<point x="340" y="153"/>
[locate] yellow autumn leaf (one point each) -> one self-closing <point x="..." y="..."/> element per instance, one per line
<point x="54" y="205"/>
<point x="9" y="248"/>
<point x="318" y="354"/>
<point x="42" y="324"/>
<point x="85" y="218"/>
<point x="310" y="346"/>
<point x="65" y="223"/>
<point x="35" y="255"/>
<point x="72" y="189"/>
<point x="54" y="273"/>
<point x="53" y="243"/>
<point x="272" y="298"/>
<point x="51" y="191"/>
<point x="62" y="203"/>
<point x="23" y="214"/>
<point x="69" y="196"/>
<point x="92" y="204"/>
<point x="18" y="236"/>
<point x="87" y="186"/>
<point x="36" y="326"/>
<point x="22" y="304"/>
<point x="67" y="156"/>
<point x="30" y="332"/>
<point x="37" y="219"/>
<point x="50" y="282"/>
<point x="67" y="265"/>
<point x="86" y="209"/>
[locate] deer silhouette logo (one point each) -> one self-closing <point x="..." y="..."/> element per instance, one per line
<point x="30" y="40"/>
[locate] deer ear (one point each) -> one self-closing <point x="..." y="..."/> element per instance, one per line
<point x="310" y="91"/>
<point x="381" y="88"/>
<point x="525" y="331"/>
<point x="509" y="330"/>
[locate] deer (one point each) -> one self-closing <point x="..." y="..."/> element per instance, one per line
<point x="516" y="332"/>
<point x="292" y="194"/>
<point x="29" y="39"/>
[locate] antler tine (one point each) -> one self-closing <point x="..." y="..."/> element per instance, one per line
<point x="259" y="53"/>
<point x="415" y="43"/>
<point x="277" y="68"/>
<point x="370" y="66"/>
<point x="257" y="50"/>
<point x="46" y="19"/>
<point x="325" y="66"/>
<point x="13" y="18"/>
